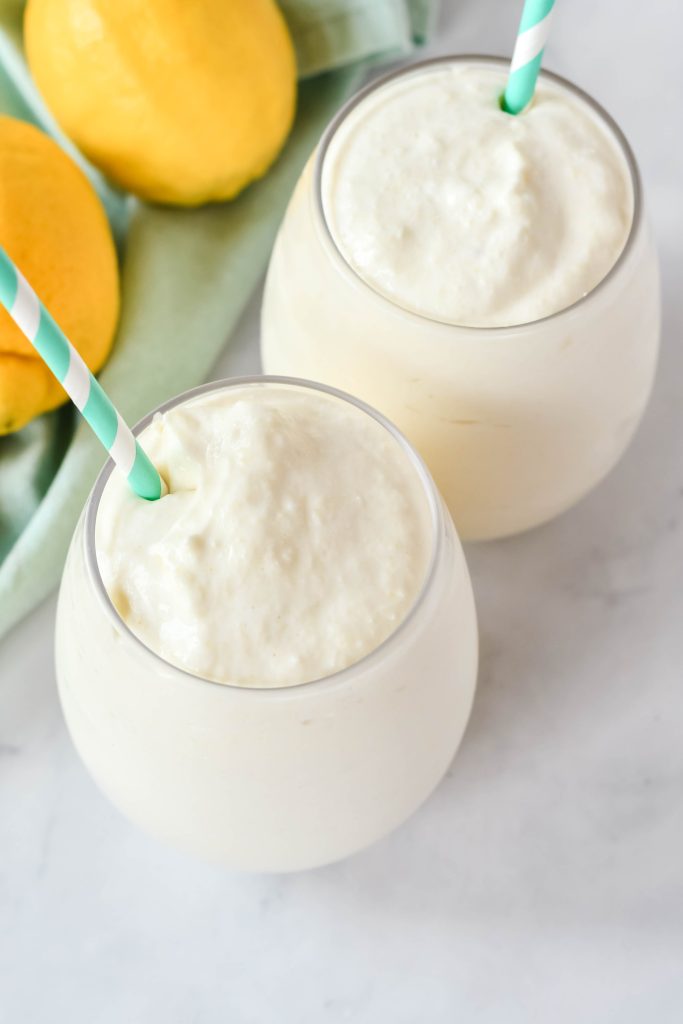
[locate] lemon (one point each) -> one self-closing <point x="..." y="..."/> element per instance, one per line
<point x="53" y="226"/>
<point x="178" y="101"/>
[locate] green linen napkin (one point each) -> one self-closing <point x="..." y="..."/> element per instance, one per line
<point x="186" y="276"/>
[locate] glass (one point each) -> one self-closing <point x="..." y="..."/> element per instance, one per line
<point x="515" y="423"/>
<point x="269" y="779"/>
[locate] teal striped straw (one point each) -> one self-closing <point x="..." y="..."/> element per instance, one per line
<point x="532" y="36"/>
<point x="51" y="344"/>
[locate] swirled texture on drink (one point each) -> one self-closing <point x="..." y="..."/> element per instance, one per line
<point x="294" y="538"/>
<point x="460" y="212"/>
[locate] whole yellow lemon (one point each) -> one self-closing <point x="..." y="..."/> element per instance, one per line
<point x="54" y="227"/>
<point x="178" y="101"/>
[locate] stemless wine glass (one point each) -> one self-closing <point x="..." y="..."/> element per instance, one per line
<point x="515" y="423"/>
<point x="269" y="779"/>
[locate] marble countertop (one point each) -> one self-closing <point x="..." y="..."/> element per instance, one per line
<point x="544" y="879"/>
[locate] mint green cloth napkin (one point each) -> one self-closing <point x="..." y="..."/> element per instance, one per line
<point x="186" y="276"/>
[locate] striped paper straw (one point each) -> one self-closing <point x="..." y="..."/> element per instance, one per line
<point x="532" y="36"/>
<point x="35" y="322"/>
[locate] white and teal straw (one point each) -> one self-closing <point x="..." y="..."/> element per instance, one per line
<point x="51" y="344"/>
<point x="532" y="35"/>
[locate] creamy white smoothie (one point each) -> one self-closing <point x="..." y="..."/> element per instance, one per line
<point x="462" y="213"/>
<point x="273" y="665"/>
<point x="487" y="281"/>
<point x="292" y="541"/>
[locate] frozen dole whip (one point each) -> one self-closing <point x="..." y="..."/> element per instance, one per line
<point x="293" y="541"/>
<point x="272" y="665"/>
<point x="485" y="279"/>
<point x="460" y="212"/>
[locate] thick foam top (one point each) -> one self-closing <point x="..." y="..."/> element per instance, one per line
<point x="294" y="540"/>
<point x="460" y="212"/>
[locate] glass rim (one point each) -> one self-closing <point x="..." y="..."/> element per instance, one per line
<point x="433" y="62"/>
<point x="435" y="513"/>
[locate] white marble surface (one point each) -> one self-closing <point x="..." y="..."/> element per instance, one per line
<point x="544" y="880"/>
